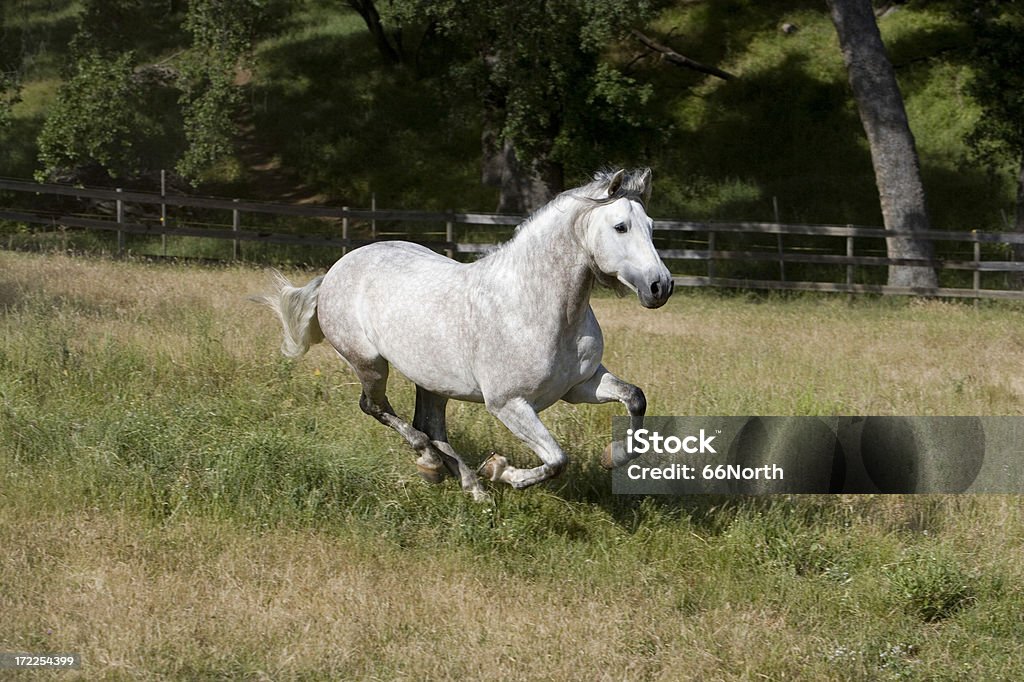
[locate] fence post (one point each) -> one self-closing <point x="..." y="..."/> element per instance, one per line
<point x="449" y="235"/>
<point x="119" y="205"/>
<point x="163" y="211"/>
<point x="782" y="262"/>
<point x="711" y="255"/>
<point x="778" y="240"/>
<point x="235" y="224"/>
<point x="373" y="220"/>
<point x="344" y="230"/>
<point x="977" y="265"/>
<point x="849" y="266"/>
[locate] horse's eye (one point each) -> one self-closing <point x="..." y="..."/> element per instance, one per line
<point x="621" y="228"/>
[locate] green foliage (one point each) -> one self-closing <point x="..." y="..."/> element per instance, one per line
<point x="9" y="85"/>
<point x="94" y="121"/>
<point x="539" y="71"/>
<point x="222" y="37"/>
<point x="113" y="27"/>
<point x="209" y="104"/>
<point x="8" y="97"/>
<point x="997" y="55"/>
<point x="113" y="116"/>
<point x="563" y="81"/>
<point x="932" y="585"/>
<point x="123" y="115"/>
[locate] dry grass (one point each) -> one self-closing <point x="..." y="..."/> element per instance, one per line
<point x="177" y="502"/>
<point x="200" y="600"/>
<point x="700" y="355"/>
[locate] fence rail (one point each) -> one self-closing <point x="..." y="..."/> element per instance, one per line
<point x="859" y="249"/>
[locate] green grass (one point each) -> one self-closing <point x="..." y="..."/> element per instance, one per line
<point x="44" y="28"/>
<point x="179" y="501"/>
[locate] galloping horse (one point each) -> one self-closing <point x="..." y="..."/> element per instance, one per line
<point x="513" y="330"/>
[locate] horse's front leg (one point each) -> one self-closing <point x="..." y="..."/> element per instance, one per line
<point x="605" y="387"/>
<point x="522" y="420"/>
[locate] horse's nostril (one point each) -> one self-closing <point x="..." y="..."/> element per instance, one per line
<point x="655" y="288"/>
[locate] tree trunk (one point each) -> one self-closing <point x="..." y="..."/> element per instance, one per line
<point x="523" y="186"/>
<point x="1019" y="227"/>
<point x="893" y="153"/>
<point x="1018" y="223"/>
<point x="392" y="53"/>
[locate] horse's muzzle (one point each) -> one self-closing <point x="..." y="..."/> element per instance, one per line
<point x="656" y="292"/>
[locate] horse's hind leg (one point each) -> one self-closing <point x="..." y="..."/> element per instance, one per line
<point x="373" y="375"/>
<point x="430" y="419"/>
<point x="434" y="451"/>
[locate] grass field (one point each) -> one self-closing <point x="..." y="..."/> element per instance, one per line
<point x="179" y="502"/>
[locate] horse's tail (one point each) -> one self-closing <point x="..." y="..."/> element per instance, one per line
<point x="295" y="307"/>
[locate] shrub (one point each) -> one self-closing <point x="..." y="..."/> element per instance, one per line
<point x="932" y="585"/>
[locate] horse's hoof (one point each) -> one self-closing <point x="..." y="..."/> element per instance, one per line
<point x="613" y="455"/>
<point x="493" y="467"/>
<point x="480" y="495"/>
<point x="433" y="475"/>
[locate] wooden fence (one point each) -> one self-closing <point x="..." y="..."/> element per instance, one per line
<point x="702" y="254"/>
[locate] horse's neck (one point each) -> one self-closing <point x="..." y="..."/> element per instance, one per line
<point x="548" y="267"/>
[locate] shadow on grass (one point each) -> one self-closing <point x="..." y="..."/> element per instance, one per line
<point x="589" y="483"/>
<point x="586" y="485"/>
<point x="785" y="132"/>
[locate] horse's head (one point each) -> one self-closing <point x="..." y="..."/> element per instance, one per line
<point x="617" y="233"/>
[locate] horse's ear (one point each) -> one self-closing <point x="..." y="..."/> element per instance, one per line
<point x="645" y="184"/>
<point x="615" y="184"/>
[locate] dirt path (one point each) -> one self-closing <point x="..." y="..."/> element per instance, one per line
<point x="265" y="172"/>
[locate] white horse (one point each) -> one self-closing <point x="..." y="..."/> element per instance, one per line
<point x="514" y="330"/>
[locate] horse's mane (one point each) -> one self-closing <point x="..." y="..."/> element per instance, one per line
<point x="592" y="195"/>
<point x="632" y="186"/>
<point x="575" y="206"/>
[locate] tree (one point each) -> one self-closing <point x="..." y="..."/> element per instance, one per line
<point x="119" y="116"/>
<point x="997" y="56"/>
<point x="538" y="75"/>
<point x="389" y="43"/>
<point x="893" y="152"/>
<point x="111" y="115"/>
<point x="93" y="127"/>
<point x="9" y="87"/>
<point x="222" y="33"/>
